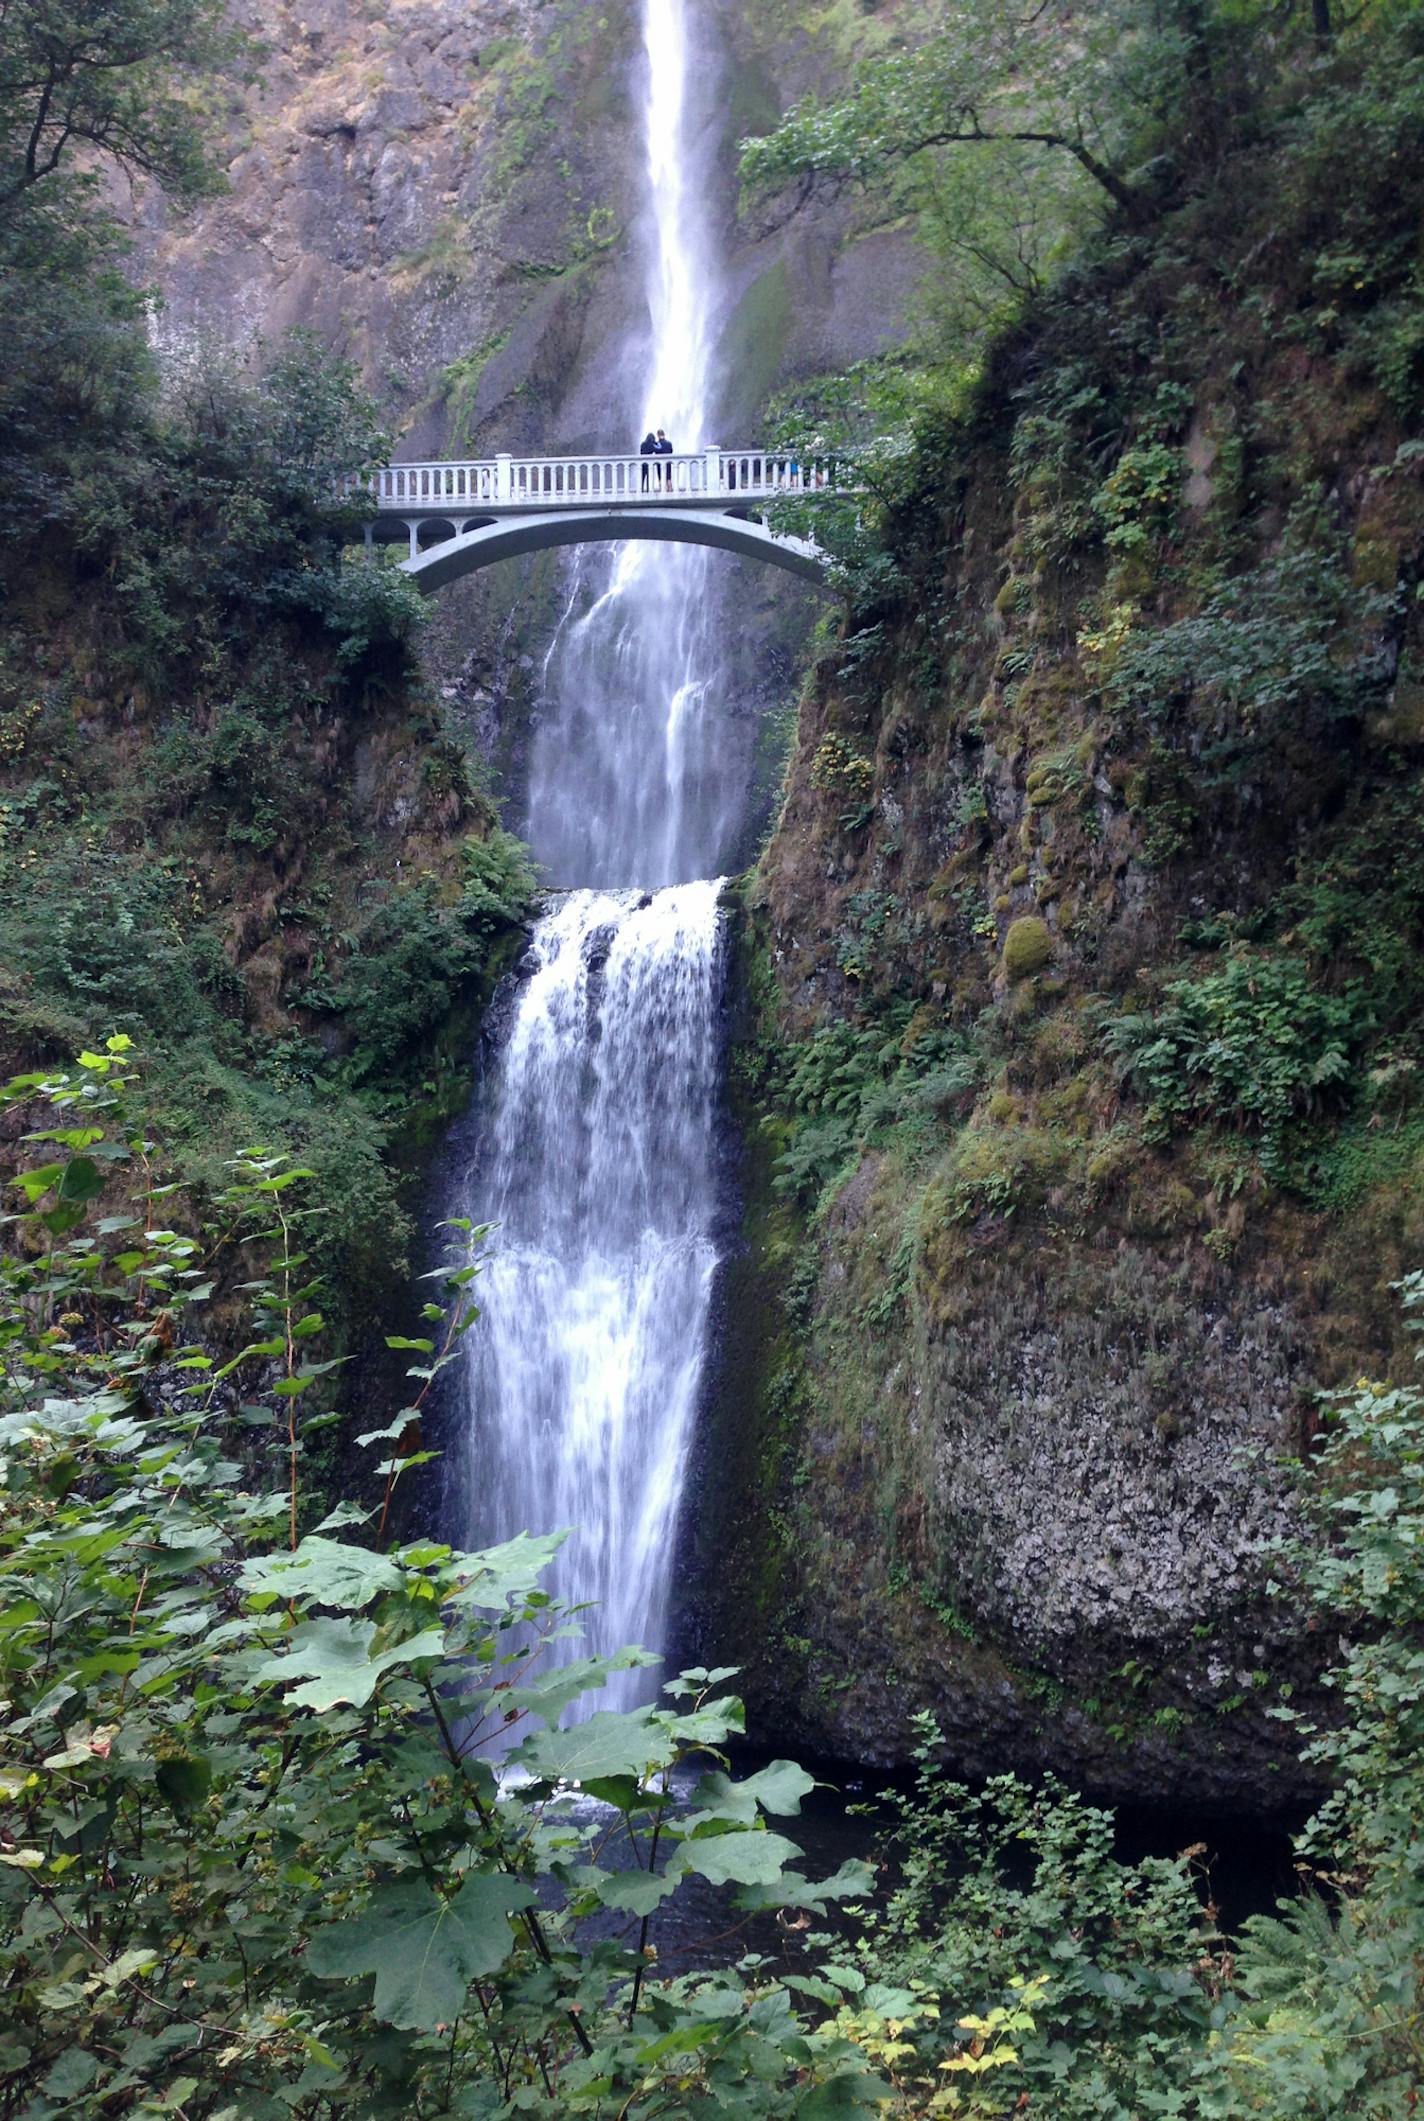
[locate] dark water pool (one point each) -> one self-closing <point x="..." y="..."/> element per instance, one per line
<point x="1246" y="1865"/>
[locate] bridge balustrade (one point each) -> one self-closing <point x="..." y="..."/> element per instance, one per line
<point x="551" y="482"/>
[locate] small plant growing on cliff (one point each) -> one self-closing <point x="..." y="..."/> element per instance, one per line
<point x="1254" y="1042"/>
<point x="1137" y="500"/>
<point x="838" y="769"/>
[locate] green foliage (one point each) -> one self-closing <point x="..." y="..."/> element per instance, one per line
<point x="228" y="504"/>
<point x="498" y="883"/>
<point x="839" y="769"/>
<point x="978" y="80"/>
<point x="1255" y="1042"/>
<point x="1330" y="2018"/>
<point x="415" y="954"/>
<point x="851" y="1086"/>
<point x="256" y="1858"/>
<point x="189" y="642"/>
<point x="1139" y="498"/>
<point x="114" y="81"/>
<point x="1280" y="654"/>
<point x="1127" y="1964"/>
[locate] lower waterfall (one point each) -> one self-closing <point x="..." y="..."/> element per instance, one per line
<point x="599" y="1174"/>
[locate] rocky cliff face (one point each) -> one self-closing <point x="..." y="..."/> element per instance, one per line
<point x="1079" y="996"/>
<point x="447" y="190"/>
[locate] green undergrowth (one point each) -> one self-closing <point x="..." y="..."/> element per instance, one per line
<point x="259" y="1859"/>
<point x="232" y="823"/>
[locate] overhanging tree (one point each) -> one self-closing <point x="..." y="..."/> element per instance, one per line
<point x="117" y="78"/>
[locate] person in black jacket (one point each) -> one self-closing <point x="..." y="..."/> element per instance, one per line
<point x="648" y="447"/>
<point x="664" y="449"/>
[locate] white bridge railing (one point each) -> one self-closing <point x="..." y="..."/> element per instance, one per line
<point x="712" y="475"/>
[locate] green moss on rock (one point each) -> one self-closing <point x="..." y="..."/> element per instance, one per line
<point x="1027" y="947"/>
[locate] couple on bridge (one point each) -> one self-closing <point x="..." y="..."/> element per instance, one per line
<point x="655" y="445"/>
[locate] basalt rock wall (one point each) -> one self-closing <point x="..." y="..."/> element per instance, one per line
<point x="1073" y="1039"/>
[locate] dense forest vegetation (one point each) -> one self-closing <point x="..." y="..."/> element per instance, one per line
<point x="255" y="1856"/>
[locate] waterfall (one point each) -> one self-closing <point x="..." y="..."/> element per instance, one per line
<point x="596" y="1154"/>
<point x="638" y="772"/>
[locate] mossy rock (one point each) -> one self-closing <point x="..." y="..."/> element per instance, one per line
<point x="1019" y="875"/>
<point x="1027" y="947"/>
<point x="1374" y="563"/>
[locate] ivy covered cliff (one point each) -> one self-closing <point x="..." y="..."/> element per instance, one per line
<point x="1077" y="1049"/>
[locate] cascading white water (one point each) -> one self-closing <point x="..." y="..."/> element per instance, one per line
<point x="638" y="772"/>
<point x="597" y="1162"/>
<point x="596" y="1296"/>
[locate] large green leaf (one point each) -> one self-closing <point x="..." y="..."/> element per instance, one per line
<point x="778" y="1787"/>
<point x="82" y="1180"/>
<point x="636" y="1892"/>
<point x="510" y="1571"/>
<point x="325" y="1571"/>
<point x="183" y="1783"/>
<point x="334" y="1657"/>
<point x="847" y="2094"/>
<point x="855" y="1880"/>
<point x="608" y="1744"/>
<point x="738" y="1859"/>
<point x="423" y="1948"/>
<point x="550" y="1696"/>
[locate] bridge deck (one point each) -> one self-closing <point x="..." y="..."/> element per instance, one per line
<point x="726" y="479"/>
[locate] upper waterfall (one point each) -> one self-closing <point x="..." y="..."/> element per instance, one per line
<point x="639" y="771"/>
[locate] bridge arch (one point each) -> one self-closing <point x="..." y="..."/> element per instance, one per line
<point x="480" y="543"/>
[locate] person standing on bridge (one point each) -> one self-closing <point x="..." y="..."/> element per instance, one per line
<point x="648" y="447"/>
<point x="664" y="448"/>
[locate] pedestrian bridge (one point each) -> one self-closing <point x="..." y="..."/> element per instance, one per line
<point x="457" y="517"/>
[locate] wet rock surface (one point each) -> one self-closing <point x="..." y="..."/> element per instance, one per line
<point x="446" y="191"/>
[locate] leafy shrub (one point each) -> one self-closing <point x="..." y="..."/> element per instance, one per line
<point x="850" y="1086"/>
<point x="400" y="982"/>
<point x="1252" y="1043"/>
<point x="499" y="883"/>
<point x="839" y="770"/>
<point x="113" y="940"/>
<point x="1138" y="499"/>
<point x="1263" y="660"/>
<point x="415" y="954"/>
<point x="256" y="1858"/>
